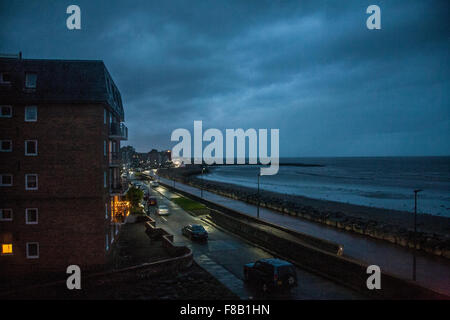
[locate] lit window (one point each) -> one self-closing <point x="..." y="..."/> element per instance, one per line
<point x="5" y="111"/>
<point x="31" y="147"/>
<point x="30" y="80"/>
<point x="31" y="216"/>
<point x="6" y="180"/>
<point x="6" y="214"/>
<point x="31" y="113"/>
<point x="7" y="248"/>
<point x="5" y="145"/>
<point x="31" y="182"/>
<point x="5" y="78"/>
<point x="32" y="250"/>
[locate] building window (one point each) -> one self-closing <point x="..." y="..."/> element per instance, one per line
<point x="104" y="148"/>
<point x="31" y="113"/>
<point x="6" y="214"/>
<point x="32" y="250"/>
<point x="105" y="116"/>
<point x="7" y="248"/>
<point x="5" y="145"/>
<point x="107" y="242"/>
<point x="31" y="148"/>
<point x="31" y="182"/>
<point x="106" y="211"/>
<point x="5" y="78"/>
<point x="30" y="80"/>
<point x="31" y="216"/>
<point x="5" y="111"/>
<point x="6" y="180"/>
<point x="105" y="179"/>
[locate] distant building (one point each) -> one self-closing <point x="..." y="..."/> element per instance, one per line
<point x="154" y="158"/>
<point x="127" y="154"/>
<point x="61" y="123"/>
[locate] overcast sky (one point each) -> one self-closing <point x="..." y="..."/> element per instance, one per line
<point x="309" y="68"/>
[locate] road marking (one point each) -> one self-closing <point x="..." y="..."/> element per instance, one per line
<point x="164" y="219"/>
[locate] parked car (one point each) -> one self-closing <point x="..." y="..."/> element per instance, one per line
<point x="270" y="274"/>
<point x="195" y="232"/>
<point x="162" y="210"/>
<point x="154" y="184"/>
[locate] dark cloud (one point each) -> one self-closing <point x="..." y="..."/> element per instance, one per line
<point x="309" y="68"/>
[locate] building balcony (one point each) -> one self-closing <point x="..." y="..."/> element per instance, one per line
<point x="117" y="189"/>
<point x="114" y="159"/>
<point x="118" y="130"/>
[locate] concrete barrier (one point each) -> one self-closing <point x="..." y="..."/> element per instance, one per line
<point x="349" y="272"/>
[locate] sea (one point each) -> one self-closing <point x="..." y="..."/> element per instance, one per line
<point x="383" y="182"/>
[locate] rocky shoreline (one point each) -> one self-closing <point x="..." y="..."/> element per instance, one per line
<point x="389" y="225"/>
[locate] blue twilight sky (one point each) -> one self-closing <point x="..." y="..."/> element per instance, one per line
<point x="310" y="68"/>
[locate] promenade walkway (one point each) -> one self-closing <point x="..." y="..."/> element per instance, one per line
<point x="432" y="271"/>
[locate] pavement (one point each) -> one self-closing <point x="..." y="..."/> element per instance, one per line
<point x="432" y="271"/>
<point x="224" y="255"/>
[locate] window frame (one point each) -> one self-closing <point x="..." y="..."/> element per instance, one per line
<point x="26" y="216"/>
<point x="26" y="181"/>
<point x="1" y="180"/>
<point x="28" y="253"/>
<point x="10" y="110"/>
<point x="2" y="81"/>
<point x="31" y="120"/>
<point x="26" y="148"/>
<point x="9" y="253"/>
<point x="26" y="80"/>
<point x="10" y="145"/>
<point x="1" y="214"/>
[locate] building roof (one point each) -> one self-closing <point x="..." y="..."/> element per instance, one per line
<point x="60" y="81"/>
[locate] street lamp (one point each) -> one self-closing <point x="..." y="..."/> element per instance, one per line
<point x="257" y="210"/>
<point x="201" y="186"/>
<point x="415" y="230"/>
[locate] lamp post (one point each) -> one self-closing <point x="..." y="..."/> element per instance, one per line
<point x="201" y="187"/>
<point x="257" y="208"/>
<point x="415" y="230"/>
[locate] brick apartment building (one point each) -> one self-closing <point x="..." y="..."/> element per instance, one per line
<point x="61" y="122"/>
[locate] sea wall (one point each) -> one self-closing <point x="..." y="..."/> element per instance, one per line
<point x="385" y="228"/>
<point x="346" y="271"/>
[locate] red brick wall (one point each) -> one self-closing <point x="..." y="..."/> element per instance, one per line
<point x="71" y="196"/>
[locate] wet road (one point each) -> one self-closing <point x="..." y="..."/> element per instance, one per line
<point x="224" y="255"/>
<point x="432" y="271"/>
